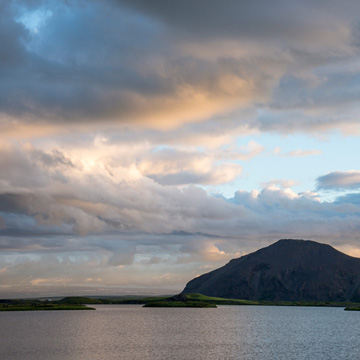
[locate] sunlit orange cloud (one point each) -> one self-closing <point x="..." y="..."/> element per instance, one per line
<point x="188" y="103"/>
<point x="167" y="116"/>
<point x="210" y="252"/>
<point x="23" y="130"/>
<point x="192" y="104"/>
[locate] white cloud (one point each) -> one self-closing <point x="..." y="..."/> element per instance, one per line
<point x="300" y="153"/>
<point x="297" y="152"/>
<point x="280" y="183"/>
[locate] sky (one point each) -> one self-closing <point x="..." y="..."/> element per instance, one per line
<point x="143" y="143"/>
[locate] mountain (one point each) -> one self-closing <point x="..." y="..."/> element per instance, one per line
<point x="288" y="270"/>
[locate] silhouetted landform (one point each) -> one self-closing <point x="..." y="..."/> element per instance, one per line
<point x="78" y="300"/>
<point x="288" y="270"/>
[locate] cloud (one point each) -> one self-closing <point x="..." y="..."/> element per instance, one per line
<point x="352" y="198"/>
<point x="87" y="72"/>
<point x="339" y="180"/>
<point x="297" y="153"/>
<point x="172" y="166"/>
<point x="99" y="222"/>
<point x="11" y="36"/>
<point x="48" y="190"/>
<point x="26" y="167"/>
<point x="246" y="20"/>
<point x="281" y="183"/>
<point x="123" y="256"/>
<point x="177" y="66"/>
<point x="300" y="153"/>
<point x="105" y="196"/>
<point x="2" y="223"/>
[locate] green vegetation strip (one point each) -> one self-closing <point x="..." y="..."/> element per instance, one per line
<point x="37" y="307"/>
<point x="203" y="299"/>
<point x="220" y="301"/>
<point x="193" y="304"/>
<point x="180" y="300"/>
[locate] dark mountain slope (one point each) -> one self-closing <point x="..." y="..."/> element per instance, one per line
<point x="288" y="270"/>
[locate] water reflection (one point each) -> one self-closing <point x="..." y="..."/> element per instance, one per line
<point x="133" y="332"/>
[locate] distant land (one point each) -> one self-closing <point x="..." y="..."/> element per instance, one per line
<point x="180" y="300"/>
<point x="288" y="270"/>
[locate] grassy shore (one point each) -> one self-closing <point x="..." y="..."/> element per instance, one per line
<point x="36" y="305"/>
<point x="203" y="299"/>
<point x="181" y="300"/>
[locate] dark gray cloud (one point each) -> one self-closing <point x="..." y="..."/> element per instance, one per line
<point x="352" y="198"/>
<point x="77" y="63"/>
<point x="339" y="180"/>
<point x="243" y="19"/>
<point x="12" y="36"/>
<point x="28" y="167"/>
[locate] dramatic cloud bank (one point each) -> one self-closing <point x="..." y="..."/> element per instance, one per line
<point x="165" y="65"/>
<point x="145" y="142"/>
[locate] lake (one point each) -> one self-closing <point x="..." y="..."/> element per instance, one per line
<point x="228" y="332"/>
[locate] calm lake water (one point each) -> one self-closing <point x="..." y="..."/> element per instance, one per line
<point x="228" y="332"/>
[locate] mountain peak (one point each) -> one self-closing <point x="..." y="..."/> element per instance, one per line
<point x="299" y="243"/>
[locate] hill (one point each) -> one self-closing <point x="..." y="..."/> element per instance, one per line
<point x="288" y="270"/>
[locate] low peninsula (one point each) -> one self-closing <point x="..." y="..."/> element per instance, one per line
<point x="39" y="305"/>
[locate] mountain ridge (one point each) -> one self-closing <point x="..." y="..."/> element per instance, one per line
<point x="287" y="270"/>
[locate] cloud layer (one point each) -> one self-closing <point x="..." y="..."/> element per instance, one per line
<point x="122" y="124"/>
<point x="108" y="220"/>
